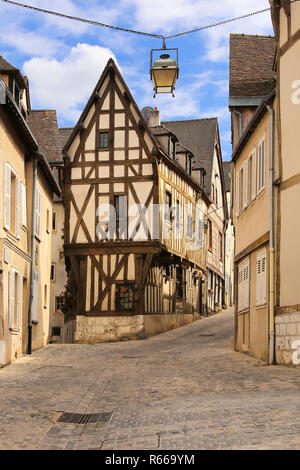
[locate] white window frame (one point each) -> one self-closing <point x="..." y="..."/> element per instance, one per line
<point x="35" y="300"/>
<point x="15" y="288"/>
<point x="241" y="191"/>
<point x="254" y="179"/>
<point x="237" y="193"/>
<point x="24" y="205"/>
<point x="9" y="170"/>
<point x="261" y="174"/>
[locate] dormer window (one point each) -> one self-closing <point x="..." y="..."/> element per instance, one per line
<point x="188" y="166"/>
<point x="172" y="148"/>
<point x="203" y="173"/>
<point x="14" y="89"/>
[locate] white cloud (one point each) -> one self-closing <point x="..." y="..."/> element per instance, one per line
<point x="66" y="85"/>
<point x="177" y="15"/>
<point x="181" y="15"/>
<point x="25" y="41"/>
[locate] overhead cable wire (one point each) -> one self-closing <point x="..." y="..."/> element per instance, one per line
<point x="132" y="31"/>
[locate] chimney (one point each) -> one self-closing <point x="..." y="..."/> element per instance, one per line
<point x="154" y="118"/>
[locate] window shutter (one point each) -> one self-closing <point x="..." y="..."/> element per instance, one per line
<point x="247" y="285"/>
<point x="243" y="287"/>
<point x="35" y="300"/>
<point x="18" y="208"/>
<point x="261" y="278"/>
<point x="263" y="164"/>
<point x="11" y="306"/>
<point x="37" y="212"/>
<point x="245" y="184"/>
<point x="237" y="196"/>
<point x="7" y="196"/>
<point x="24" y="205"/>
<point x="264" y="278"/>
<point x="240" y="292"/>
<point x="253" y="175"/>
<point x="20" y="288"/>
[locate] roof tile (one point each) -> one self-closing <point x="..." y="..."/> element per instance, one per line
<point x="251" y="65"/>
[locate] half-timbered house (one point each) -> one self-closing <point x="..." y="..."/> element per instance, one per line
<point x="203" y="138"/>
<point x="135" y="221"/>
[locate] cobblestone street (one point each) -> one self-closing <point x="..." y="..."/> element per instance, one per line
<point x="184" y="389"/>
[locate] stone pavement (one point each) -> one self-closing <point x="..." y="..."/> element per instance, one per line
<point x="184" y="389"/>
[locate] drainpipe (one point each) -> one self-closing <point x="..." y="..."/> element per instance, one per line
<point x="240" y="116"/>
<point x="29" y="324"/>
<point x="272" y="249"/>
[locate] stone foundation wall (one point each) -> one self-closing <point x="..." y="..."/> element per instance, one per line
<point x="104" y="329"/>
<point x="287" y="327"/>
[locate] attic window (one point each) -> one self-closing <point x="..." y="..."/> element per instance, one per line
<point x="103" y="140"/>
<point x="14" y="89"/>
<point x="189" y="164"/>
<point x="172" y="148"/>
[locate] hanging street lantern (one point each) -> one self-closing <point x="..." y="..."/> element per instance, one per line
<point x="164" y="71"/>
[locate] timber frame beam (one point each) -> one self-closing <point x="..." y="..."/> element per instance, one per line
<point x="112" y="248"/>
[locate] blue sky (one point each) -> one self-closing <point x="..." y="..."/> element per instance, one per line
<point x="64" y="59"/>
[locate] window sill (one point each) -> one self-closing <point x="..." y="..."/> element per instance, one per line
<point x="14" y="332"/>
<point x="12" y="236"/>
<point x="260" y="307"/>
<point x="242" y="312"/>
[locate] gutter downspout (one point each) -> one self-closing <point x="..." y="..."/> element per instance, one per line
<point x="29" y="324"/>
<point x="271" y="248"/>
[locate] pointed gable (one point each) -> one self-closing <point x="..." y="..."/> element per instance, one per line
<point x="110" y="93"/>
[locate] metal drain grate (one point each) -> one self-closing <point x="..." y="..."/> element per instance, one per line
<point x="84" y="418"/>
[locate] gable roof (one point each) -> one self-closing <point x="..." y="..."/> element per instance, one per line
<point x="199" y="135"/>
<point x="7" y="68"/>
<point x="64" y="134"/>
<point x="43" y="124"/>
<point x="157" y="149"/>
<point x="110" y="67"/>
<point x="251" y="126"/>
<point x="251" y="69"/>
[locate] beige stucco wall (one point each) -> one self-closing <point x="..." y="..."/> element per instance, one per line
<point x="253" y="222"/>
<point x="290" y="196"/>
<point x="13" y="343"/>
<point x="12" y="151"/>
<point x="40" y="330"/>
